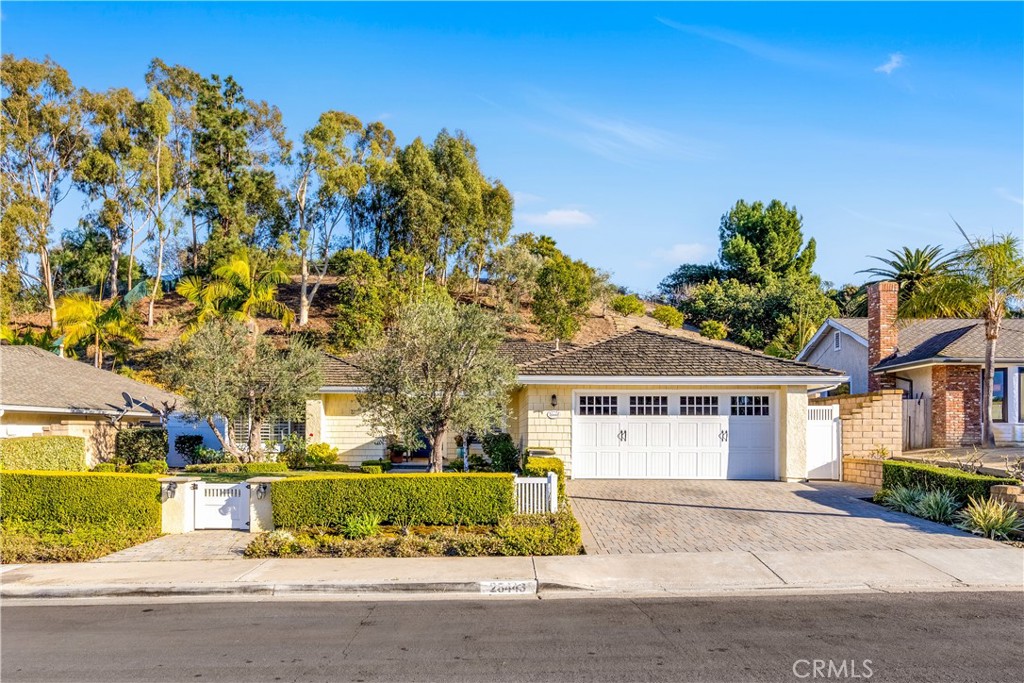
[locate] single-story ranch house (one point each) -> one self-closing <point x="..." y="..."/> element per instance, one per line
<point x="937" y="360"/>
<point x="642" y="405"/>
<point x="42" y="394"/>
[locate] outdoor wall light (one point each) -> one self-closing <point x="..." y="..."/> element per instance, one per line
<point x="554" y="400"/>
<point x="261" y="491"/>
<point x="170" y="489"/>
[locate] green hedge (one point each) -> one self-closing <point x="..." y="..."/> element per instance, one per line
<point x="539" y="467"/>
<point x="406" y="499"/>
<point x="931" y="477"/>
<point x="214" y="468"/>
<point x="141" y="444"/>
<point x="72" y="498"/>
<point x="264" y="467"/>
<point x="384" y="464"/>
<point x="65" y="453"/>
<point x="187" y="446"/>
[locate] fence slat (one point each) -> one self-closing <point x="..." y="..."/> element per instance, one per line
<point x="536" y="494"/>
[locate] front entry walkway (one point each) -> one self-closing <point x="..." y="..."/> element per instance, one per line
<point x="659" y="516"/>
<point x="195" y="545"/>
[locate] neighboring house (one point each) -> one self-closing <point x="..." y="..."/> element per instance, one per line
<point x="44" y="394"/>
<point x="938" y="359"/>
<point x="641" y="404"/>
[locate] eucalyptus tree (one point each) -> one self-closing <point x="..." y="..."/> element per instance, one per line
<point x="493" y="229"/>
<point x="420" y="213"/>
<point x="158" y="186"/>
<point x="513" y="275"/>
<point x="180" y="86"/>
<point x="44" y="137"/>
<point x="329" y="178"/>
<point x="983" y="278"/>
<point x="375" y="208"/>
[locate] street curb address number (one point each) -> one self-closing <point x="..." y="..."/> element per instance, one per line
<point x="508" y="587"/>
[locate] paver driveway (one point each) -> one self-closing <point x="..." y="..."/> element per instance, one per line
<point x="195" y="545"/>
<point x="621" y="517"/>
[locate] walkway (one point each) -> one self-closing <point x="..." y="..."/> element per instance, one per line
<point x="197" y="545"/>
<point x="625" y="517"/>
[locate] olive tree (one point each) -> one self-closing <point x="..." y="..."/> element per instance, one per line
<point x="437" y="371"/>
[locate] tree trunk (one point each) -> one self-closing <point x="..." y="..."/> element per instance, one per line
<point x="437" y="451"/>
<point x="131" y="260"/>
<point x="991" y="335"/>
<point x="157" y="284"/>
<point x="304" y="292"/>
<point x="255" y="445"/>
<point x="51" y="302"/>
<point x="97" y="357"/>
<point x="115" y="256"/>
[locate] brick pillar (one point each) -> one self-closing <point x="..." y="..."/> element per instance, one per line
<point x="956" y="405"/>
<point x="883" y="335"/>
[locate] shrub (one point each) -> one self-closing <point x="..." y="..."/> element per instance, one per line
<point x="939" y="506"/>
<point x="65" y="453"/>
<point x="713" y="329"/>
<point x="321" y="454"/>
<point x="371" y="469"/>
<point x="501" y="450"/>
<point x="328" y="500"/>
<point x="384" y="464"/>
<point x="187" y="446"/>
<point x="903" y="499"/>
<point x="36" y="541"/>
<point x="962" y="485"/>
<point x="669" y="316"/>
<point x="105" y="467"/>
<point x="539" y="467"/>
<point x="361" y="526"/>
<point x="337" y="467"/>
<point x="263" y="467"/>
<point x="71" y="498"/>
<point x="209" y="456"/>
<point x="990" y="518"/>
<point x="215" y="468"/>
<point x="628" y="304"/>
<point x="293" y="452"/>
<point x="546" y="534"/>
<point x="150" y="467"/>
<point x="141" y="444"/>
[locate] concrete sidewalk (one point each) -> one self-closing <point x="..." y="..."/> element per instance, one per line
<point x="997" y="566"/>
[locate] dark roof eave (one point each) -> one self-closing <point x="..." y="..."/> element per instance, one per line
<point x="940" y="360"/>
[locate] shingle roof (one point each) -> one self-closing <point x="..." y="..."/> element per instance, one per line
<point x="858" y="326"/>
<point x="34" y="377"/>
<point x="339" y="372"/>
<point x="643" y="353"/>
<point x="942" y="339"/>
<point x="521" y="352"/>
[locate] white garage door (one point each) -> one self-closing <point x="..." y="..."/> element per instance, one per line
<point x="673" y="436"/>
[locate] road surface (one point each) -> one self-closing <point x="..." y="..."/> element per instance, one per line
<point x="923" y="636"/>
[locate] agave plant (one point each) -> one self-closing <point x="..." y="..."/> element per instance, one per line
<point x="990" y="518"/>
<point x="939" y="506"/>
<point x="903" y="499"/>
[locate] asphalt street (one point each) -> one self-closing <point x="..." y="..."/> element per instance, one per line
<point x="968" y="636"/>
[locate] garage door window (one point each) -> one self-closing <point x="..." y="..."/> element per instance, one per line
<point x="698" y="405"/>
<point x="648" y="405"/>
<point x="750" y="405"/>
<point x="599" y="405"/>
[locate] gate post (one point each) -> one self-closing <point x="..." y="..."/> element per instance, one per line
<point x="552" y="492"/>
<point x="261" y="514"/>
<point x="177" y="505"/>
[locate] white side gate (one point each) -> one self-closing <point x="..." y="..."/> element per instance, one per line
<point x="536" y="494"/>
<point x="222" y="506"/>
<point x="824" y="451"/>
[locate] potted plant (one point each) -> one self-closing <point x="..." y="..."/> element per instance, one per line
<point x="396" y="452"/>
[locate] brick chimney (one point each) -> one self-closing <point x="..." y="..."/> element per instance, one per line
<point x="883" y="335"/>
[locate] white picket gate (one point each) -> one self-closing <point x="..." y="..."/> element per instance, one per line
<point x="824" y="448"/>
<point x="221" y="506"/>
<point x="537" y="494"/>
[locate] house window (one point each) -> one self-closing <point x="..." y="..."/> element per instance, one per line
<point x="999" y="395"/>
<point x="272" y="433"/>
<point x="753" y="406"/>
<point x="837" y="340"/>
<point x="599" y="405"/>
<point x="698" y="405"/>
<point x="648" y="405"/>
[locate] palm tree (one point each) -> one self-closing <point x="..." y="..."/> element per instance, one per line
<point x="913" y="269"/>
<point x="982" y="277"/>
<point x="241" y="289"/>
<point x="102" y="326"/>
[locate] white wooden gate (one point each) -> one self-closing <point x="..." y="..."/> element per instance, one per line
<point x="222" y="506"/>
<point x="824" y="451"/>
<point x="917" y="423"/>
<point x="536" y="494"/>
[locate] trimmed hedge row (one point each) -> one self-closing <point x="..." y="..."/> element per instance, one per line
<point x="141" y="444"/>
<point x="931" y="477"/>
<point x="72" y="498"/>
<point x="406" y="499"/>
<point x="264" y="467"/>
<point x="539" y="467"/>
<point x="61" y="453"/>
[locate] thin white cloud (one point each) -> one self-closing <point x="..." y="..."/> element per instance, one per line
<point x="525" y="198"/>
<point x="748" y="44"/>
<point x="558" y="218"/>
<point x="1003" y="193"/>
<point x="683" y="252"/>
<point x="895" y="62"/>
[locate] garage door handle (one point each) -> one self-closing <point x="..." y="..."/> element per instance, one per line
<point x="622" y="435"/>
<point x="723" y="436"/>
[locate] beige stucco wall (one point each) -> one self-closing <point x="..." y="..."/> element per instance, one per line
<point x="792" y="433"/>
<point x="336" y="419"/>
<point x="97" y="430"/>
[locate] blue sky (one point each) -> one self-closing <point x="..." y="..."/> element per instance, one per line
<point x="626" y="131"/>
